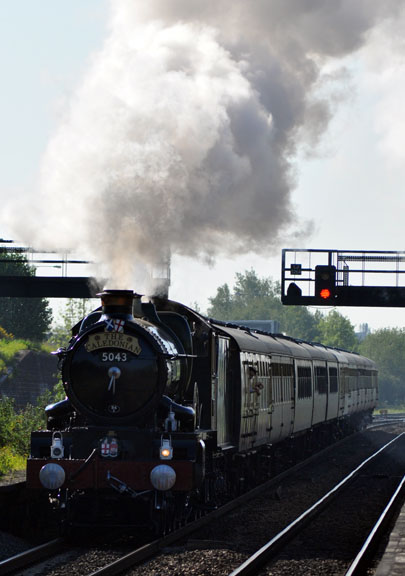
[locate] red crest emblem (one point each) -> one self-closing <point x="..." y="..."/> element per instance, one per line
<point x="109" y="447"/>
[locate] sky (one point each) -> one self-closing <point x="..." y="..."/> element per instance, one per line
<point x="251" y="132"/>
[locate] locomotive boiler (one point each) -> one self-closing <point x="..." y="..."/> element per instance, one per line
<point x="168" y="412"/>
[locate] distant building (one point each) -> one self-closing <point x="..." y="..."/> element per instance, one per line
<point x="271" y="326"/>
<point x="363" y="332"/>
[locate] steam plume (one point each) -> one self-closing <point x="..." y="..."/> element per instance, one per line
<point x="183" y="132"/>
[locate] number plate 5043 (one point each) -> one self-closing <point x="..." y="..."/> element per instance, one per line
<point x="114" y="357"/>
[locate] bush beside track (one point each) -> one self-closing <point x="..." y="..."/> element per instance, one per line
<point x="16" y="424"/>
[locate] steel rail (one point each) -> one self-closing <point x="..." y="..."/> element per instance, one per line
<point x="32" y="555"/>
<point x="392" y="416"/>
<point x="358" y="565"/>
<point x="269" y="550"/>
<point x="385" y="423"/>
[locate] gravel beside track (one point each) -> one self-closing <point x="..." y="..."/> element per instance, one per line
<point x="330" y="543"/>
<point x="219" y="549"/>
<point x="11" y="545"/>
<point x="75" y="562"/>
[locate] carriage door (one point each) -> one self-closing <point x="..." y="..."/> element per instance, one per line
<point x="223" y="392"/>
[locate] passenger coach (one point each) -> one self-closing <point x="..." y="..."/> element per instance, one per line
<point x="282" y="387"/>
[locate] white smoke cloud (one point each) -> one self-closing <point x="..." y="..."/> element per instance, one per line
<point x="183" y="132"/>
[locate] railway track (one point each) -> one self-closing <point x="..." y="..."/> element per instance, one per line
<point x="362" y="560"/>
<point x="224" y="543"/>
<point x="279" y="543"/>
<point x="201" y="530"/>
<point x="392" y="416"/>
<point x="56" y="555"/>
<point x="387" y="419"/>
<point x="31" y="556"/>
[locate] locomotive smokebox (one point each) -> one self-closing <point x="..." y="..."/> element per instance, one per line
<point x="120" y="303"/>
<point x="117" y="369"/>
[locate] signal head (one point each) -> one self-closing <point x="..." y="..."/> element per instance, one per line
<point x="325" y="282"/>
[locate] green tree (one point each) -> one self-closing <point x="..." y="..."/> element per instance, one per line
<point x="221" y="305"/>
<point x="299" y="322"/>
<point x="28" y="318"/>
<point x="254" y="298"/>
<point x="337" y="331"/>
<point x="386" y="347"/>
<point x="75" y="310"/>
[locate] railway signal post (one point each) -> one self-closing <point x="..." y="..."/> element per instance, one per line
<point x="343" y="278"/>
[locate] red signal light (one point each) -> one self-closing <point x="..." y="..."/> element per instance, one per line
<point x="325" y="284"/>
<point x="325" y="293"/>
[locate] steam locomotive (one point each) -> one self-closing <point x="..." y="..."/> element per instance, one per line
<point x="168" y="412"/>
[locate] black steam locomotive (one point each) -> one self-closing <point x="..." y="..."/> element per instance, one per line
<point x="167" y="412"/>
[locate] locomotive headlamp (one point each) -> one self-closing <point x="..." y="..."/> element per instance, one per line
<point x="52" y="476"/>
<point x="57" y="449"/>
<point x="162" y="477"/>
<point x="166" y="449"/>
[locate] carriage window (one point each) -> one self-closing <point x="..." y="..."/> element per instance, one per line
<point x="321" y="381"/>
<point x="304" y="382"/>
<point x="287" y="370"/>
<point x="276" y="379"/>
<point x="375" y="379"/>
<point x="333" y="380"/>
<point x="365" y="379"/>
<point x="288" y="374"/>
<point x="353" y="376"/>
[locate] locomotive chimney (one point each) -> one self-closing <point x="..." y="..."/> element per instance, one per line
<point x="120" y="302"/>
